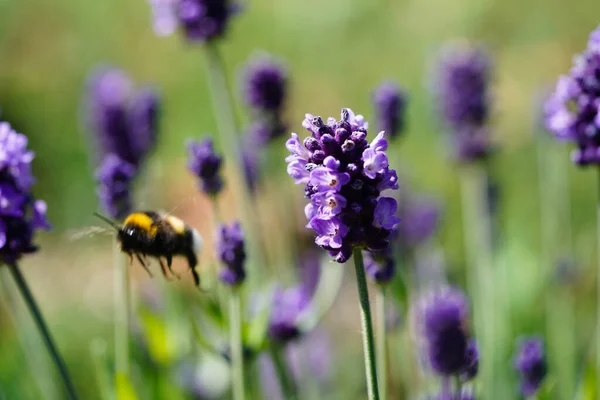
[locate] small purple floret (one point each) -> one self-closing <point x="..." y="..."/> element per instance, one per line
<point x="530" y="361"/>
<point x="205" y="164"/>
<point x="230" y="250"/>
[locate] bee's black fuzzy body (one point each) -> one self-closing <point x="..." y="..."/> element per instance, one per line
<point x="149" y="233"/>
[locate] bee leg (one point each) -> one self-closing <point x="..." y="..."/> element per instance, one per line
<point x="144" y="265"/>
<point x="164" y="269"/>
<point x="130" y="258"/>
<point x="192" y="262"/>
<point x="169" y="258"/>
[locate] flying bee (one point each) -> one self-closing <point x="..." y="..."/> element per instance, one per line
<point x="158" y="235"/>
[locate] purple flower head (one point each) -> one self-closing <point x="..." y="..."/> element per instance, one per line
<point x="205" y="164"/>
<point x="200" y="20"/>
<point x="463" y="77"/>
<point x="265" y="85"/>
<point x="229" y="245"/>
<point x="251" y="165"/>
<point x="572" y="111"/>
<point x="344" y="175"/>
<point x="20" y="214"/>
<point x="264" y="130"/>
<point x="472" y="361"/>
<point x="114" y="177"/>
<point x="380" y="266"/>
<point x="530" y="362"/>
<point x="124" y="121"/>
<point x="390" y="104"/>
<point x="288" y="305"/>
<point x="442" y="318"/>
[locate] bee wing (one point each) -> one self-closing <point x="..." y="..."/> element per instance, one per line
<point x="88" y="232"/>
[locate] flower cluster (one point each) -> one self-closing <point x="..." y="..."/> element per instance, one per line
<point x="124" y="121"/>
<point x="114" y="178"/>
<point x="200" y="20"/>
<point x="287" y="306"/>
<point x="390" y="106"/>
<point x="531" y="363"/>
<point x="231" y="251"/>
<point x="20" y="213"/>
<point x="442" y="318"/>
<point x="572" y="111"/>
<point x="205" y="164"/>
<point x="344" y="177"/>
<point x="462" y="91"/>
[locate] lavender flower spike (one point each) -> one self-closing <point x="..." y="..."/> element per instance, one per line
<point x="265" y="85"/>
<point x="20" y="213"/>
<point x="231" y="251"/>
<point x="124" y="121"/>
<point x="114" y="178"/>
<point x="344" y="175"/>
<point x="463" y="98"/>
<point x="442" y="318"/>
<point x="572" y="111"/>
<point x="205" y="164"/>
<point x="288" y="305"/>
<point x="530" y="361"/>
<point x="390" y="104"/>
<point x="200" y="20"/>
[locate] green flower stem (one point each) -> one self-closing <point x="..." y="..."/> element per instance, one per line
<point x="230" y="143"/>
<point x="235" y="337"/>
<point x="478" y="242"/>
<point x="41" y="324"/>
<point x="367" y="326"/>
<point x="380" y="303"/>
<point x="121" y="325"/>
<point x="288" y="386"/>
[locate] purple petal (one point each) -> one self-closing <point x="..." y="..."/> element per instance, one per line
<point x="384" y="213"/>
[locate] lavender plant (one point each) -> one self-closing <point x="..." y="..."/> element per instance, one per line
<point x="344" y="177"/>
<point x="389" y="101"/>
<point x="530" y="362"/>
<point x="21" y="215"/>
<point x="572" y="115"/>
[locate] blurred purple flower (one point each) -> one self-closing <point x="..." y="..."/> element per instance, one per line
<point x="380" y="267"/>
<point x="124" y="121"/>
<point x="230" y="249"/>
<point x="463" y="97"/>
<point x="205" y="164"/>
<point x="530" y="361"/>
<point x="200" y="20"/>
<point x="20" y="214"/>
<point x="390" y="104"/>
<point x="442" y="318"/>
<point x="573" y="110"/>
<point x="344" y="176"/>
<point x="288" y="304"/>
<point x="251" y="163"/>
<point x="114" y="177"/>
<point x="420" y="220"/>
<point x="265" y="84"/>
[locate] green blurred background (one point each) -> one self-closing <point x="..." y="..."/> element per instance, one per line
<point x="336" y="52"/>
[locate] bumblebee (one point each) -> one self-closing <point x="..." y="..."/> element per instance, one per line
<point x="158" y="235"/>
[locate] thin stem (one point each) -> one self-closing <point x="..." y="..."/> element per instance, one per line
<point x="41" y="324"/>
<point x="367" y="326"/>
<point x="121" y="323"/>
<point x="288" y="386"/>
<point x="380" y="331"/>
<point x="237" y="355"/>
<point x="478" y="247"/>
<point x="227" y="125"/>
<point x="598" y="280"/>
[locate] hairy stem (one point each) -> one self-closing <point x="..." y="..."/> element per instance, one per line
<point x="381" y="332"/>
<point x="43" y="328"/>
<point x="367" y="326"/>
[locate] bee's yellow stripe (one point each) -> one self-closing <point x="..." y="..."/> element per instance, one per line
<point x="177" y="224"/>
<point x="143" y="222"/>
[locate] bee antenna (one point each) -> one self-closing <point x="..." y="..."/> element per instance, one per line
<point x="108" y="221"/>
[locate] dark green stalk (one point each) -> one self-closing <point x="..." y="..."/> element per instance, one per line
<point x="41" y="324"/>
<point x="288" y="386"/>
<point x="367" y="326"/>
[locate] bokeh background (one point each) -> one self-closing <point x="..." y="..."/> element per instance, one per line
<point x="336" y="52"/>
